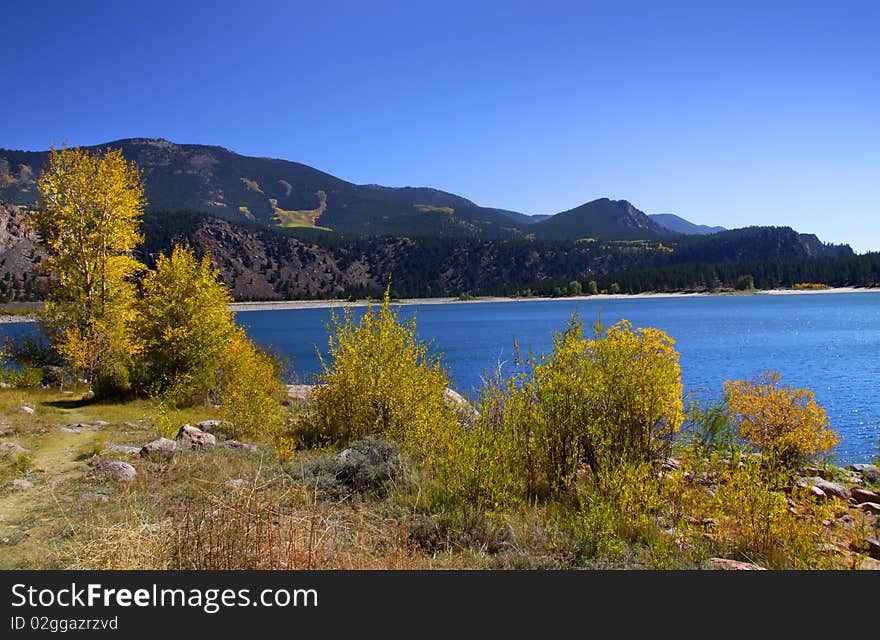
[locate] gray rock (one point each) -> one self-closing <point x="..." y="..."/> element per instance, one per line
<point x="863" y="495"/>
<point x="235" y="444"/>
<point x="300" y="393"/>
<point x="209" y="426"/>
<point x="112" y="470"/>
<point x="190" y="437"/>
<point x="19" y="484"/>
<point x="732" y="565"/>
<point x="10" y="449"/>
<point x="99" y="423"/>
<point x="869" y="472"/>
<point x="159" y="448"/>
<point x="817" y="493"/>
<point x="870" y="507"/>
<point x="70" y="429"/>
<point x="873" y="546"/>
<point x="123" y="449"/>
<point x="830" y="488"/>
<point x="237" y="483"/>
<point x="92" y="496"/>
<point x="26" y="409"/>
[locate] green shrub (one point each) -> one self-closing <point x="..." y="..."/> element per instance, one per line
<point x="369" y="466"/>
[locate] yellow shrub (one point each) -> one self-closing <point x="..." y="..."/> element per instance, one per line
<point x="249" y="389"/>
<point x="379" y="380"/>
<point x="785" y="423"/>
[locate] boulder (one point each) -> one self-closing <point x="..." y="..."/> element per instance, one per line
<point x="817" y="493"/>
<point x="732" y="565"/>
<point x="863" y="495"/>
<point x="830" y="488"/>
<point x="870" y="507"/>
<point x="159" y="448"/>
<point x="869" y="472"/>
<point x="122" y="449"/>
<point x="19" y="484"/>
<point x="299" y="393"/>
<point x="26" y="409"/>
<point x="235" y="444"/>
<point x="465" y="411"/>
<point x="112" y="470"/>
<point x="209" y="426"/>
<point x="190" y="437"/>
<point x="10" y="449"/>
<point x="873" y="547"/>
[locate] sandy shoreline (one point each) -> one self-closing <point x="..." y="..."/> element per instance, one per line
<point x="272" y="305"/>
<point x="330" y="304"/>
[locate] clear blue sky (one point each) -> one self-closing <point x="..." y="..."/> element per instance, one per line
<point x="730" y="113"/>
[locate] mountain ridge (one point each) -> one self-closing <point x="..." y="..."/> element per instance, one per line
<point x="276" y="192"/>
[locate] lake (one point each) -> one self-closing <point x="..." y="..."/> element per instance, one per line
<point x="827" y="342"/>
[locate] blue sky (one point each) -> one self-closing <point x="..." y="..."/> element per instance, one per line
<point x="730" y="113"/>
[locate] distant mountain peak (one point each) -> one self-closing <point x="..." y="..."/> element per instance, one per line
<point x="678" y="224"/>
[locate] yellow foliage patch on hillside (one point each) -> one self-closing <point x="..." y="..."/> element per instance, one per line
<point x="253" y="185"/>
<point x="427" y="208"/>
<point x="300" y="218"/>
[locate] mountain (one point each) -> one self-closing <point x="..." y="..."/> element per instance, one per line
<point x="677" y="224"/>
<point x="265" y="263"/>
<point x="601" y="220"/>
<point x="272" y="192"/>
<point x="522" y="218"/>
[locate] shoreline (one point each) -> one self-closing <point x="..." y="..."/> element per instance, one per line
<point x="276" y="305"/>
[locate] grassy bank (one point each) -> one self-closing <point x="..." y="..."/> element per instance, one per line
<point x="224" y="508"/>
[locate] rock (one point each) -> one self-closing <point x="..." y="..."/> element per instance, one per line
<point x="92" y="496"/>
<point x="99" y="423"/>
<point x="817" y="471"/>
<point x="465" y="411"/>
<point x="26" y="409"/>
<point x="19" y="484"/>
<point x="830" y="488"/>
<point x="869" y="472"/>
<point x="10" y="449"/>
<point x="190" y="437"/>
<point x="872" y="546"/>
<point x="235" y="444"/>
<point x="237" y="483"/>
<point x="732" y="565"/>
<point x="123" y="449"/>
<point x="817" y="493"/>
<point x="209" y="426"/>
<point x="669" y="464"/>
<point x="863" y="495"/>
<point x="4" y="385"/>
<point x="74" y="429"/>
<point x="52" y="376"/>
<point x="870" y="507"/>
<point x="160" y="448"/>
<point x="113" y="470"/>
<point x="299" y="393"/>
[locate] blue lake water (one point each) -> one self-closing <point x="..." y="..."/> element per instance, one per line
<point x="827" y="342"/>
